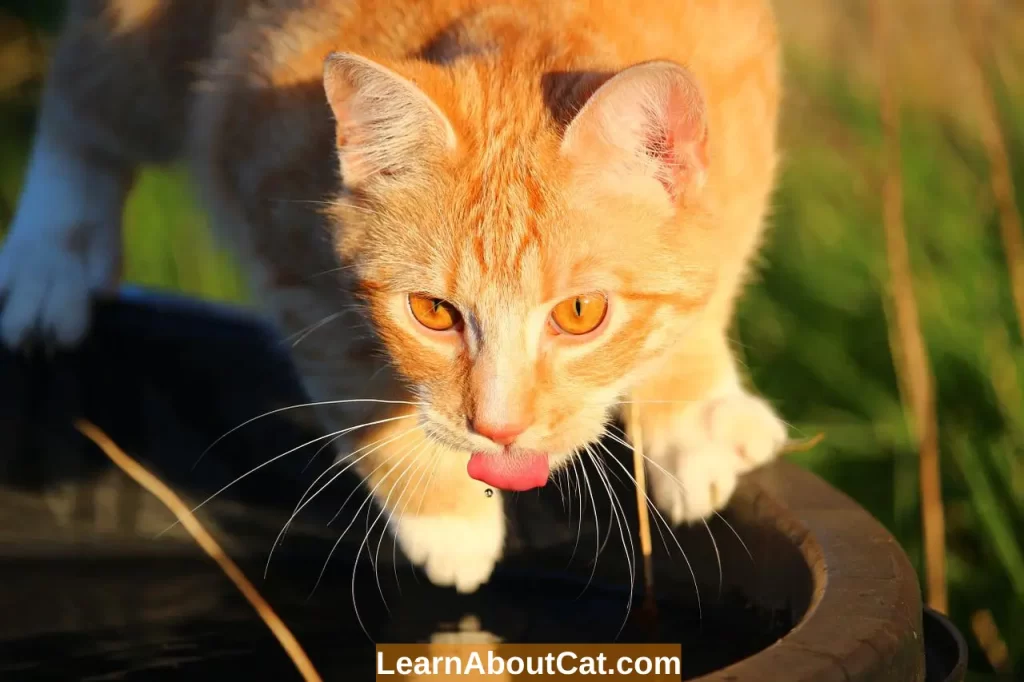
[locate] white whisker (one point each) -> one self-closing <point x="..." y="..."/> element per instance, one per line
<point x="624" y="532"/>
<point x="579" y="521"/>
<point x="558" y="486"/>
<point x="432" y="467"/>
<point x="401" y="457"/>
<point x="374" y="561"/>
<point x="274" y="459"/>
<point x="682" y="489"/>
<point x="355" y="566"/>
<point x="320" y="449"/>
<point x="305" y="333"/>
<point x="423" y="499"/>
<point x="668" y="527"/>
<point x="365" y="479"/>
<point x="597" y="529"/>
<point x="304" y="502"/>
<point x="742" y="544"/>
<point x="301" y="405"/>
<point x="650" y="505"/>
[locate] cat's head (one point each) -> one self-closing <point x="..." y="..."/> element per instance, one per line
<point x="521" y="270"/>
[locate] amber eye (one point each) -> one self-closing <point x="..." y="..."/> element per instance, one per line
<point x="433" y="313"/>
<point x="580" y="314"/>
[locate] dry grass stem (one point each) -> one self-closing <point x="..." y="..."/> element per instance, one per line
<point x="180" y="510"/>
<point x="909" y="351"/>
<point x="971" y="23"/>
<point x="639" y="472"/>
<point x="985" y="630"/>
<point x="803" y="445"/>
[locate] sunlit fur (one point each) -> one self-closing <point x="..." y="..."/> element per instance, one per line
<point x="446" y="154"/>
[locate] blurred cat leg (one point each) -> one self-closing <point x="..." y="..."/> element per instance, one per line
<point x="115" y="96"/>
<point x="64" y="242"/>
<point x="703" y="429"/>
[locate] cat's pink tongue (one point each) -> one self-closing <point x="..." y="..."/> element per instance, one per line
<point x="522" y="471"/>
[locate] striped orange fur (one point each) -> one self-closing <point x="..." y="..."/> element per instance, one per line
<point x="501" y="156"/>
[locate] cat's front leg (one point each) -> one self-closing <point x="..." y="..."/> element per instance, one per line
<point x="445" y="522"/>
<point x="115" y="97"/>
<point x="64" y="244"/>
<point x="457" y="548"/>
<point x="703" y="430"/>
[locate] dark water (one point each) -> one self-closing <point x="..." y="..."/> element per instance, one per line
<point x="170" y="618"/>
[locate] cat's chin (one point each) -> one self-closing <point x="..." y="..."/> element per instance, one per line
<point x="510" y="471"/>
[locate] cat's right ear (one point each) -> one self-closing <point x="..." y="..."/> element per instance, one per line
<point x="386" y="125"/>
<point x="645" y="127"/>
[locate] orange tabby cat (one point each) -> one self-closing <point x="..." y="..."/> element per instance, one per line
<point x="534" y="208"/>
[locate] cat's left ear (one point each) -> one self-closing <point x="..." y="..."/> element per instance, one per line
<point x="386" y="126"/>
<point x="646" y="123"/>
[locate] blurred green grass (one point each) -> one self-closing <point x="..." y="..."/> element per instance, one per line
<point x="812" y="329"/>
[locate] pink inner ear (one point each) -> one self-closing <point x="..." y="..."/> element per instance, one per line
<point x="648" y="120"/>
<point x="679" y="144"/>
<point x="386" y="125"/>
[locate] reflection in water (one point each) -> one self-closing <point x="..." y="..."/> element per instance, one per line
<point x="468" y="630"/>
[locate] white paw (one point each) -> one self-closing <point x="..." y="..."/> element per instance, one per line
<point x="45" y="292"/>
<point x="63" y="246"/>
<point x="712" y="443"/>
<point x="452" y="550"/>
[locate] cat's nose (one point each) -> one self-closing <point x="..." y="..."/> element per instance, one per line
<point x="500" y="433"/>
